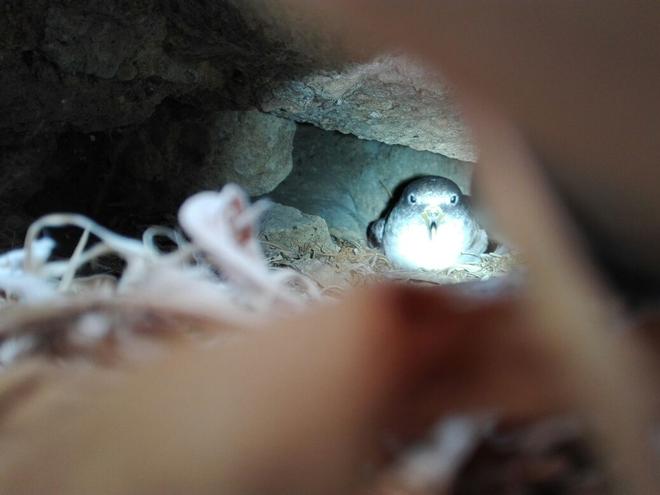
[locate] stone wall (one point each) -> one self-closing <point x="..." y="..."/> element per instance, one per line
<point x="120" y="109"/>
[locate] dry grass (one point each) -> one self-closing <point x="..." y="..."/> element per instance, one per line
<point x="356" y="265"/>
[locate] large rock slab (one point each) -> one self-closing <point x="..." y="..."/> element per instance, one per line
<point x="391" y="99"/>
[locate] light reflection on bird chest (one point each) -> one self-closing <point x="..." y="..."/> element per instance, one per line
<point x="428" y="244"/>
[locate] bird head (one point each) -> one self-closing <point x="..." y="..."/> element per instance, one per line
<point x="433" y="198"/>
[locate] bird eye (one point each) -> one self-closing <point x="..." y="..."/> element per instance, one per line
<point x="453" y="199"/>
<point x="412" y="199"/>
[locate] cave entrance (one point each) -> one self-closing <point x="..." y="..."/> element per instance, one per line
<point x="339" y="184"/>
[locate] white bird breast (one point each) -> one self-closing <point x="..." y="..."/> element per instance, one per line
<point x="414" y="248"/>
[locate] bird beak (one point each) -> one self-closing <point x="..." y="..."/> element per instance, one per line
<point x="432" y="217"/>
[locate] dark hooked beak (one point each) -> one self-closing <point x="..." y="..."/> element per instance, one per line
<point x="432" y="217"/>
<point x="433" y="229"/>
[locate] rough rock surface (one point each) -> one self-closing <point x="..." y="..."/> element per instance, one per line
<point x="390" y="99"/>
<point x="110" y="108"/>
<point x="105" y="106"/>
<point x="251" y="148"/>
<point x="98" y="65"/>
<point x="288" y="229"/>
<point x="349" y="181"/>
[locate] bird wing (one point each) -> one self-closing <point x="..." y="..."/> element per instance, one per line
<point x="375" y="232"/>
<point x="478" y="243"/>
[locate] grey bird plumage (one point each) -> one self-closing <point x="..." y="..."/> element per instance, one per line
<point x="430" y="227"/>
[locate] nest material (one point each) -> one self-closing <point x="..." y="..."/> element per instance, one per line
<point x="356" y="265"/>
<point x="218" y="278"/>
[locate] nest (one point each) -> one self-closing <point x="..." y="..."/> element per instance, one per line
<point x="356" y="265"/>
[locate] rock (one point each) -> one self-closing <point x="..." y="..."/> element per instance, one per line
<point x="120" y="109"/>
<point x="390" y="99"/>
<point x="284" y="228"/>
<point x="251" y="148"/>
<point x="102" y="65"/>
<point x="349" y="181"/>
<point x="95" y="43"/>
